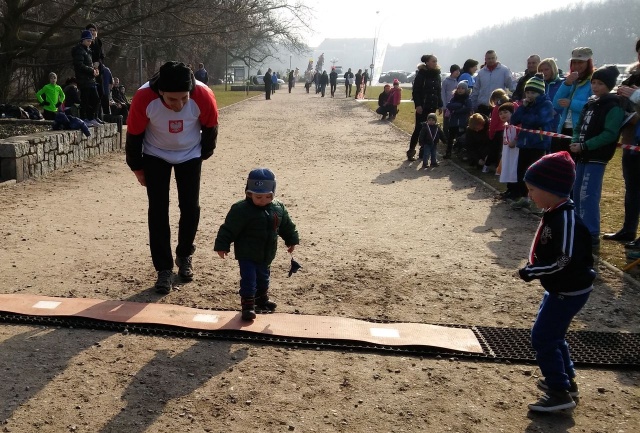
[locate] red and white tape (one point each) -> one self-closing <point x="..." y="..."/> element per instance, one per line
<point x="555" y="134"/>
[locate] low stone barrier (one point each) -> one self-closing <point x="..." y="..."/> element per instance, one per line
<point x="34" y="155"/>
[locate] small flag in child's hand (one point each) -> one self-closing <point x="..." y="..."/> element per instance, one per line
<point x="294" y="267"/>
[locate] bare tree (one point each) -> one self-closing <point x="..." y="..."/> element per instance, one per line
<point x="36" y="35"/>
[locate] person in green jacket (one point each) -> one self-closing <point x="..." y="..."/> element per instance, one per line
<point x="53" y="97"/>
<point x="253" y="226"/>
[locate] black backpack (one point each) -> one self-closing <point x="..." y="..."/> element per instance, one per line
<point x="32" y="112"/>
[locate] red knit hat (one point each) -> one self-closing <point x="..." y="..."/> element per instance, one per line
<point x="554" y="173"/>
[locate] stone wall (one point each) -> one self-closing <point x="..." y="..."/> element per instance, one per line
<point x="35" y="155"/>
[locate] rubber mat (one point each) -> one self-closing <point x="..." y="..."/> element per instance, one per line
<point x="277" y="324"/>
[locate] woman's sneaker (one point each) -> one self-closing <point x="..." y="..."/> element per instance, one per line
<point x="573" y="387"/>
<point x="553" y="401"/>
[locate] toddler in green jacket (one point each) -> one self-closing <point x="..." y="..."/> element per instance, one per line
<point x="253" y="226"/>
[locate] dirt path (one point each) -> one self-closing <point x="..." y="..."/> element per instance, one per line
<point x="380" y="239"/>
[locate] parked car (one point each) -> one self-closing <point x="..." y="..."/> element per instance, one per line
<point x="259" y="79"/>
<point x="388" y="77"/>
<point x="625" y="71"/>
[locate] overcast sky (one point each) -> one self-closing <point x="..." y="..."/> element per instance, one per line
<point x="405" y="21"/>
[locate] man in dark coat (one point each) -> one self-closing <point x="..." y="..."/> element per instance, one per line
<point x="267" y="84"/>
<point x="333" y="80"/>
<point x="86" y="76"/>
<point x="532" y="68"/>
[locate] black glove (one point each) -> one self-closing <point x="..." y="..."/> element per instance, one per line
<point x="524" y="276"/>
<point x="208" y="141"/>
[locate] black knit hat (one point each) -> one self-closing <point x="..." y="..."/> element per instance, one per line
<point x="607" y="74"/>
<point x="175" y="77"/>
<point x="554" y="173"/>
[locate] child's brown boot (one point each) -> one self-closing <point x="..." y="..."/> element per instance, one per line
<point x="248" y="307"/>
<point x="263" y="302"/>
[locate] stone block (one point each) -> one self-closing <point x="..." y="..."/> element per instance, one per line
<point x="39" y="151"/>
<point x="13" y="148"/>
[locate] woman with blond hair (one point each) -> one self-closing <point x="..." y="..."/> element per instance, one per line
<point x="552" y="81"/>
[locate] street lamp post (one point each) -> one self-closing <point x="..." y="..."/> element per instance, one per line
<point x="373" y="54"/>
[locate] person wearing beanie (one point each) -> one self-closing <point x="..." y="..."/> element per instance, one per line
<point x="593" y="145"/>
<point x="561" y="258"/>
<point x="458" y="110"/>
<point x="449" y="86"/>
<point x="536" y="113"/>
<point x="86" y="74"/>
<point x="629" y="92"/>
<point x="535" y="84"/>
<point x="172" y="126"/>
<point x="253" y="226"/>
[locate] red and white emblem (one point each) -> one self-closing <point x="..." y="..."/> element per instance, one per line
<point x="175" y="126"/>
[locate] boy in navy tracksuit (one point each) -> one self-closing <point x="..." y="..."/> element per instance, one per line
<point x="561" y="259"/>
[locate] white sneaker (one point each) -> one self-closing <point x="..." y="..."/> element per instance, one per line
<point x="91" y="123"/>
<point x="485" y="169"/>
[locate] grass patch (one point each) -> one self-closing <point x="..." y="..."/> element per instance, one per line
<point x="228" y="97"/>
<point x="611" y="203"/>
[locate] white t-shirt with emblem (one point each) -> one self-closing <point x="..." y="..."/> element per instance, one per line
<point x="170" y="135"/>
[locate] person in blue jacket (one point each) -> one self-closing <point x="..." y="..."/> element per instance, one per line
<point x="574" y="92"/>
<point x="535" y="113"/>
<point x="469" y="69"/>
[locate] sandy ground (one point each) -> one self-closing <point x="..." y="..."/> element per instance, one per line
<point x="380" y="239"/>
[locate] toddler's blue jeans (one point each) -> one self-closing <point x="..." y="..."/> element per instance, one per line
<point x="548" y="337"/>
<point x="253" y="277"/>
<point x="430" y="150"/>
